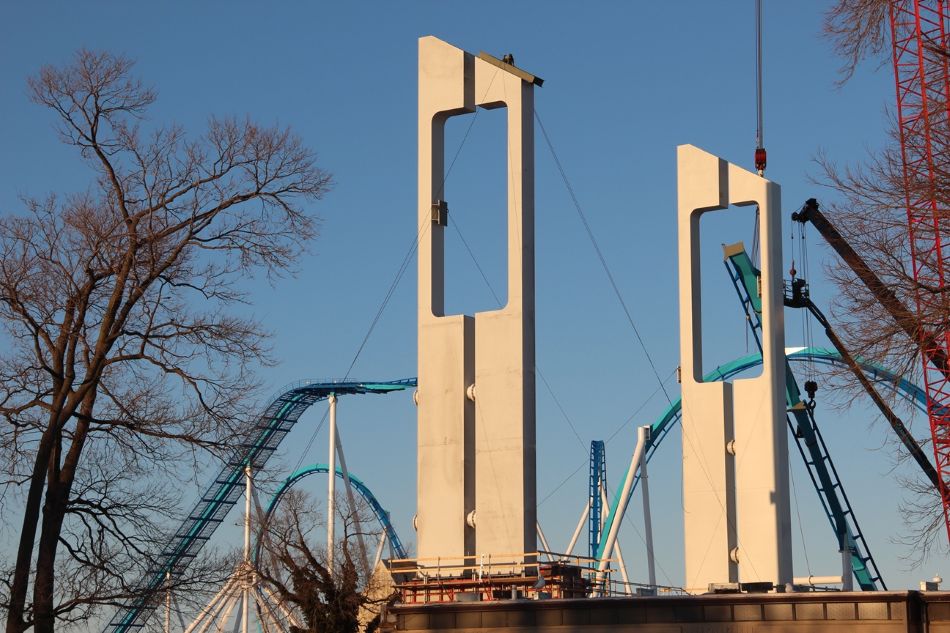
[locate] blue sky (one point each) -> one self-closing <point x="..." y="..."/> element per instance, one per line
<point x="624" y="84"/>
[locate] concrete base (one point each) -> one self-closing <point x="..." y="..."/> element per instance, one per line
<point x="877" y="612"/>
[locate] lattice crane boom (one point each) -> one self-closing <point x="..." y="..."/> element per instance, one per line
<point x="919" y="30"/>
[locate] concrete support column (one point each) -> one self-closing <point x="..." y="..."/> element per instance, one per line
<point x="735" y="442"/>
<point x="476" y="397"/>
<point x="505" y="498"/>
<point x="446" y="443"/>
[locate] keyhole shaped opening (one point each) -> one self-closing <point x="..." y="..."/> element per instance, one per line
<point x="725" y="330"/>
<point x="476" y="189"/>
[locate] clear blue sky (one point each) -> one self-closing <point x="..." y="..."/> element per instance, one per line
<point x="624" y="84"/>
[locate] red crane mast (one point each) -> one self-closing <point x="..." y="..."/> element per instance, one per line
<point x="919" y="30"/>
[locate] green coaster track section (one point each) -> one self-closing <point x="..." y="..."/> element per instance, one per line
<point x="672" y="414"/>
<point x="808" y="437"/>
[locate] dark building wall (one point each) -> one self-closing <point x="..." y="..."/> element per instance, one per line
<point x="884" y="612"/>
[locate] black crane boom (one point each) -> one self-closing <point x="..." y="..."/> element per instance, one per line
<point x="878" y="289"/>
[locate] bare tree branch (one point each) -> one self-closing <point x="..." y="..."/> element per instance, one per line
<point x="115" y="305"/>
<point x="871" y="213"/>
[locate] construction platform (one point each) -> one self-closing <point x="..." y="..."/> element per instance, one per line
<point x="813" y="612"/>
<point x="508" y="576"/>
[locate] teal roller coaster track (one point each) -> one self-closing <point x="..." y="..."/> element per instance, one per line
<point x="395" y="544"/>
<point x="261" y="438"/>
<point x="810" y="443"/>
<point x="253" y="448"/>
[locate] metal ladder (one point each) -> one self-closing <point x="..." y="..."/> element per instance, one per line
<point x="808" y="439"/>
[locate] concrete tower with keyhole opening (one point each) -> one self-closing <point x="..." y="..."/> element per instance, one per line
<point x="737" y="520"/>
<point x="476" y="395"/>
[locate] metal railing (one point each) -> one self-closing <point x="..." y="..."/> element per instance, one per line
<point x="530" y="575"/>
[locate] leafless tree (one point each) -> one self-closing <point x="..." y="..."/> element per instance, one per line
<point x="871" y="213"/>
<point x="337" y="600"/>
<point x="121" y="356"/>
<point x="858" y="29"/>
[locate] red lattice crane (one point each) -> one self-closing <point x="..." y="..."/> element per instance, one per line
<point x="919" y="30"/>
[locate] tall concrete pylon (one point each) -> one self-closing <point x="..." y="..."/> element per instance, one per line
<point x="476" y="397"/>
<point x="737" y="519"/>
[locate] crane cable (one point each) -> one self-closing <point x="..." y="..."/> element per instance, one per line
<point x="623" y="304"/>
<point x="760" y="154"/>
<point x="600" y="255"/>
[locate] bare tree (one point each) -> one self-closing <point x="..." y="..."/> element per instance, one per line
<point x="871" y="213"/>
<point x="340" y="599"/>
<point x="120" y="354"/>
<point x="858" y="29"/>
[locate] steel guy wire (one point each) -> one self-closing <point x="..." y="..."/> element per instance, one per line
<point x="600" y="255"/>
<point x="400" y="272"/>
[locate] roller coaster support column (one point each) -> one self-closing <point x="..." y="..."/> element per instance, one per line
<point x="605" y="503"/>
<point x="647" y="521"/>
<point x="379" y="549"/>
<point x="737" y="516"/>
<point x="354" y="512"/>
<point x="331" y="485"/>
<point x="246" y="594"/>
<point x="612" y="528"/>
<point x="168" y="602"/>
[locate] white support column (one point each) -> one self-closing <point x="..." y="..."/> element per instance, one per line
<point x="354" y="510"/>
<point x="247" y="513"/>
<point x="621" y="565"/>
<point x="207" y="613"/>
<point x="647" y="520"/>
<point x="379" y="549"/>
<point x="168" y="602"/>
<point x="269" y="620"/>
<point x="610" y="538"/>
<point x="247" y="578"/>
<point x="737" y="518"/>
<point x="228" y="610"/>
<point x="274" y="599"/>
<point x="219" y="607"/>
<point x="505" y="462"/>
<point x="331" y="485"/>
<point x="446" y="355"/>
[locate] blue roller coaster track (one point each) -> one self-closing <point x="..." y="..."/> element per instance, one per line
<point x="598" y="480"/>
<point x="382" y="515"/>
<point x="255" y="445"/>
